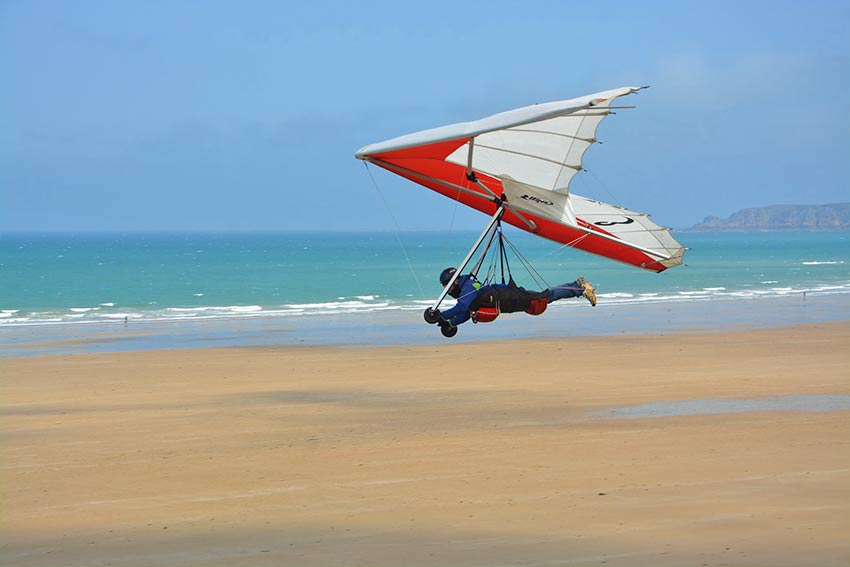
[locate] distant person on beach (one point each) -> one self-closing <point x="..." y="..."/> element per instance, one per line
<point x="473" y="298"/>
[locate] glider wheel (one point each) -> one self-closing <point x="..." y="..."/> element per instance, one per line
<point x="431" y="316"/>
<point x="448" y="331"/>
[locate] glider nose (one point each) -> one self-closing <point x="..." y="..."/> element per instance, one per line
<point x="361" y="153"/>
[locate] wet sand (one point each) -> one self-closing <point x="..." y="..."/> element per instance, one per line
<point x="458" y="454"/>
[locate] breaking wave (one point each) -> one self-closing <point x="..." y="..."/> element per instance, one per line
<point x="364" y="304"/>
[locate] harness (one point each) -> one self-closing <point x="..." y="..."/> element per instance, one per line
<point x="509" y="297"/>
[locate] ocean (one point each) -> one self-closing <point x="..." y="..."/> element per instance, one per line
<point x="58" y="285"/>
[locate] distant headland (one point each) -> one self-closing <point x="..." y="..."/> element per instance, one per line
<point x="835" y="217"/>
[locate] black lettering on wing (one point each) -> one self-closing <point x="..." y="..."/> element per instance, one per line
<point x="628" y="220"/>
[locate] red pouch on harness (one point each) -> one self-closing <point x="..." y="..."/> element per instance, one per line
<point x="537" y="307"/>
<point x="485" y="314"/>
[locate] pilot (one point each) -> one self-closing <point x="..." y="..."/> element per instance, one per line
<point x="471" y="296"/>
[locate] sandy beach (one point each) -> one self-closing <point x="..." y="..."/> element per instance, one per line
<point x="504" y="453"/>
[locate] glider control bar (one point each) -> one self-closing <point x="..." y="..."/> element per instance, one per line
<point x="497" y="216"/>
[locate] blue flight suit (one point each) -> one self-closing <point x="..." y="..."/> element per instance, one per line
<point x="471" y="289"/>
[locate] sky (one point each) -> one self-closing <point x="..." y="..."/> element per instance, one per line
<point x="206" y="115"/>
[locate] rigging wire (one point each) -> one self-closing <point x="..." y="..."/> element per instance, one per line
<point x="454" y="211"/>
<point x="611" y="195"/>
<point x="570" y="244"/>
<point x="535" y="275"/>
<point x="397" y="230"/>
<point x="499" y="263"/>
<point x="455" y="208"/>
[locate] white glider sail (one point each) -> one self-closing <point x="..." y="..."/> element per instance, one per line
<point x="524" y="160"/>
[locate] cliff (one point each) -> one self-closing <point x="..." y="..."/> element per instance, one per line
<point x="833" y="217"/>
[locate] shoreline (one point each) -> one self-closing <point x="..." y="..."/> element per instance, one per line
<point x="458" y="454"/>
<point x="397" y="328"/>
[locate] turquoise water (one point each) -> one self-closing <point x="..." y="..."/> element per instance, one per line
<point x="76" y="279"/>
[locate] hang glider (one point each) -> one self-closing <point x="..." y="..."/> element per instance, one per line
<point x="518" y="165"/>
